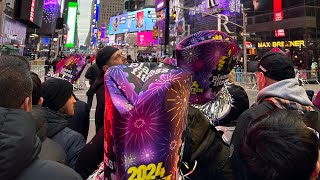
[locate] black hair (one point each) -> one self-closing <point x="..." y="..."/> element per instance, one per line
<point x="23" y="59"/>
<point x="15" y="82"/>
<point x="36" y="90"/>
<point x="278" y="146"/>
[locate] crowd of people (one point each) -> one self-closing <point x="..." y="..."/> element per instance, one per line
<point x="44" y="126"/>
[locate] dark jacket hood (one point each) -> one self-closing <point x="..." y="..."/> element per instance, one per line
<point x="56" y="122"/>
<point x="38" y="116"/>
<point x="19" y="144"/>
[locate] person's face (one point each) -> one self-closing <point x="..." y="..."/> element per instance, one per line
<point x="116" y="59"/>
<point x="261" y="81"/>
<point x="68" y="107"/>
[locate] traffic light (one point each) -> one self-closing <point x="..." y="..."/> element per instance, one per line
<point x="174" y="15"/>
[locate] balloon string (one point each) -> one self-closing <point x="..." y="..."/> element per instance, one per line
<point x="190" y="172"/>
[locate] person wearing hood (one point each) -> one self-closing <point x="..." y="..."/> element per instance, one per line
<point x="50" y="150"/>
<point x="278" y="88"/>
<point x="20" y="144"/>
<point x="59" y="100"/>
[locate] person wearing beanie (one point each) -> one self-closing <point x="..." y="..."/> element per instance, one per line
<point x="106" y="57"/>
<point x="58" y="103"/>
<point x="278" y="89"/>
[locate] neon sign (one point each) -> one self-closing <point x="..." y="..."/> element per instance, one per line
<point x="33" y="4"/>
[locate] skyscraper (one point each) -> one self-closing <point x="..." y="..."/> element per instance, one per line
<point x="137" y="4"/>
<point x="102" y="10"/>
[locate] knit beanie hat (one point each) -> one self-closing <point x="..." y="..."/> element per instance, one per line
<point x="55" y="93"/>
<point x="104" y="55"/>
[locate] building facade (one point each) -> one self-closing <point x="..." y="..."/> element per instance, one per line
<point x="289" y="25"/>
<point x="102" y="10"/>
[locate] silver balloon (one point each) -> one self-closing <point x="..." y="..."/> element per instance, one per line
<point x="219" y="108"/>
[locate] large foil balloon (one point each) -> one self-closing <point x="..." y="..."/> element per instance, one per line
<point x="145" y="120"/>
<point x="71" y="68"/>
<point x="210" y="55"/>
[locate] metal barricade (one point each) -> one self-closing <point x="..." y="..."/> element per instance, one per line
<point x="41" y="71"/>
<point x="309" y="76"/>
<point x="247" y="80"/>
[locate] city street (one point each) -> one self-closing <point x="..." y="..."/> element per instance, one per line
<point x="81" y="94"/>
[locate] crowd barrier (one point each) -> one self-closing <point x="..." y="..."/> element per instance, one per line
<point x="309" y="76"/>
<point x="41" y="70"/>
<point x="249" y="79"/>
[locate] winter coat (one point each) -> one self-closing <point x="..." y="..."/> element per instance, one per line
<point x="50" y="150"/>
<point x="288" y="89"/>
<point x="80" y="121"/>
<point x="71" y="141"/>
<point x="205" y="145"/>
<point x="92" y="73"/>
<point x="98" y="89"/>
<point x="19" y="147"/>
<point x="91" y="155"/>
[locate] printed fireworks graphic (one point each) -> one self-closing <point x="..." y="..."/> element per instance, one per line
<point x="161" y="85"/>
<point x="141" y="126"/>
<point x="191" y="54"/>
<point x="177" y="102"/>
<point x="150" y="129"/>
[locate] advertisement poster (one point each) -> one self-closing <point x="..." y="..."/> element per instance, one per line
<point x="119" y="24"/>
<point x="140" y="20"/>
<point x="162" y="31"/>
<point x="145" y="39"/>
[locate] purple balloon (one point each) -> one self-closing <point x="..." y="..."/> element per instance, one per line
<point x="145" y="117"/>
<point x="209" y="54"/>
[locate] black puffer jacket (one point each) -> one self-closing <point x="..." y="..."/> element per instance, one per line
<point x="205" y="145"/>
<point x="50" y="150"/>
<point x="98" y="89"/>
<point x="71" y="141"/>
<point x="19" y="147"/>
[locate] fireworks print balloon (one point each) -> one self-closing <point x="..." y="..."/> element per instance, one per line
<point x="145" y="118"/>
<point x="70" y="68"/>
<point x="210" y="55"/>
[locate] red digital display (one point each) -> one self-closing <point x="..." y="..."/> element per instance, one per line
<point x="33" y="5"/>
<point x="278" y="16"/>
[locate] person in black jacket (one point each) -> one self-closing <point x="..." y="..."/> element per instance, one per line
<point x="50" y="150"/>
<point x="106" y="57"/>
<point x="278" y="88"/>
<point x="20" y="145"/>
<point x="59" y="100"/>
<point x="81" y="119"/>
<point x="92" y="74"/>
<point x="204" y="145"/>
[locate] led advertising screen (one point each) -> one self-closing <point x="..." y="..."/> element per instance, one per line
<point x="160" y="4"/>
<point x="135" y="21"/>
<point x="29" y="12"/>
<point x="119" y="24"/>
<point x="71" y="22"/>
<point x="51" y="12"/>
<point x="145" y="39"/>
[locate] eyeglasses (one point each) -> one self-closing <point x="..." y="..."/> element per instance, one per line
<point x="314" y="131"/>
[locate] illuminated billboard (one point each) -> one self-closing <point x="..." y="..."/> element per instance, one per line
<point x="51" y="12"/>
<point x="29" y="12"/>
<point x="71" y="22"/>
<point x="145" y="39"/>
<point x="142" y="20"/>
